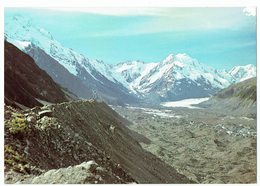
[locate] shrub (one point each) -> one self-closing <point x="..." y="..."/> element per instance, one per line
<point x="17" y="124"/>
<point x="11" y="156"/>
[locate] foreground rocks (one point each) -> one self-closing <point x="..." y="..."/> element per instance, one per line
<point x="84" y="173"/>
<point x="63" y="140"/>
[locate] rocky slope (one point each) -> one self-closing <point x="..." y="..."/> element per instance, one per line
<point x="25" y="82"/>
<point x="68" y="134"/>
<point x="238" y="99"/>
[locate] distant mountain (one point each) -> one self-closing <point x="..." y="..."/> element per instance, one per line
<point x="133" y="82"/>
<point x="179" y="77"/>
<point x="239" y="99"/>
<point x="133" y="72"/>
<point x="241" y="73"/>
<point x="25" y="83"/>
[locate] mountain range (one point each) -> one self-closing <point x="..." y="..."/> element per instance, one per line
<point x="178" y="76"/>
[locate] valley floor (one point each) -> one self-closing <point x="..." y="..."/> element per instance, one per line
<point x="204" y="146"/>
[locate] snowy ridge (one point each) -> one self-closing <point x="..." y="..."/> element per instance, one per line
<point x="181" y="66"/>
<point x="20" y="29"/>
<point x="241" y="73"/>
<point x="192" y="69"/>
<point x="169" y="79"/>
<point x="133" y="72"/>
<point x="178" y="74"/>
<point x="21" y="32"/>
<point x="106" y="70"/>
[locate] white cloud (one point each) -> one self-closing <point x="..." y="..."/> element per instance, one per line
<point x="163" y="19"/>
<point x="113" y="11"/>
<point x="250" y="11"/>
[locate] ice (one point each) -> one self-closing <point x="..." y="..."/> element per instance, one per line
<point x="163" y="113"/>
<point x="188" y="103"/>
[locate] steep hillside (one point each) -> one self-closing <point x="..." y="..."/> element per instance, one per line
<point x="239" y="99"/>
<point x="67" y="134"/>
<point x="94" y="74"/>
<point x="59" y="73"/>
<point x="25" y="82"/>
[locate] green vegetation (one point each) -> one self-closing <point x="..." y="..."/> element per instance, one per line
<point x="17" y="124"/>
<point x="14" y="160"/>
<point x="248" y="93"/>
<point x="245" y="90"/>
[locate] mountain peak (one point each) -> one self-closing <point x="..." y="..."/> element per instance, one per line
<point x="242" y="73"/>
<point x="169" y="57"/>
<point x="183" y="57"/>
<point x="179" y="58"/>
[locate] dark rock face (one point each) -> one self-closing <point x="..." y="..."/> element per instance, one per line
<point x="81" y="131"/>
<point x="25" y="81"/>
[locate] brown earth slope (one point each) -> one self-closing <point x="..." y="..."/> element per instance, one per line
<point x="25" y="81"/>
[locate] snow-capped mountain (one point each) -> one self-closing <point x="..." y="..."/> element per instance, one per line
<point x="180" y="76"/>
<point x="95" y="74"/>
<point x="21" y="32"/>
<point x="241" y="73"/>
<point x="133" y="72"/>
<point x="176" y="77"/>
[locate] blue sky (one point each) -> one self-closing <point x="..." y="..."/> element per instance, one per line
<point x="220" y="37"/>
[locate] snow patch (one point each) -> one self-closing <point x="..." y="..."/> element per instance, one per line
<point x="21" y="44"/>
<point x="246" y="118"/>
<point x="156" y="112"/>
<point x="188" y="103"/>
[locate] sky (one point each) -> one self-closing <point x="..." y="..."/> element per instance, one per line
<point x="219" y="37"/>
